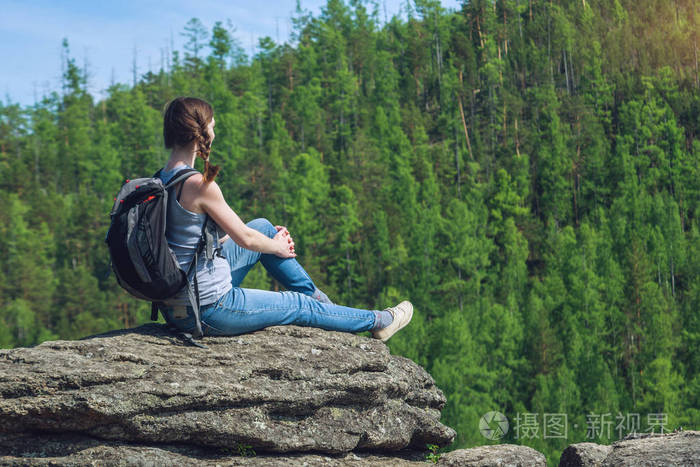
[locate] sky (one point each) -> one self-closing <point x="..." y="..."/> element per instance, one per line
<point x="106" y="35"/>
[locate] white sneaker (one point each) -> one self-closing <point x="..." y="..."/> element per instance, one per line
<point x="402" y="313"/>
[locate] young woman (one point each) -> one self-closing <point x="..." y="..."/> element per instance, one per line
<point x="226" y="309"/>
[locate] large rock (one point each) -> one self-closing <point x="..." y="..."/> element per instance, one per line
<point x="285" y="389"/>
<point x="580" y="454"/>
<point x="68" y="449"/>
<point x="497" y="455"/>
<point x="76" y="450"/>
<point x="678" y="448"/>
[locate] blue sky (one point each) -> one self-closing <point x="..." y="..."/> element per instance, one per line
<point x="104" y="34"/>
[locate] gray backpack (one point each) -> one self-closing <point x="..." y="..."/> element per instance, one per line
<point x="142" y="261"/>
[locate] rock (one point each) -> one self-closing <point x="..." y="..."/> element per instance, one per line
<point x="284" y="389"/>
<point x="682" y="448"/>
<point x="23" y="449"/>
<point x="580" y="454"/>
<point x="678" y="448"/>
<point x="497" y="455"/>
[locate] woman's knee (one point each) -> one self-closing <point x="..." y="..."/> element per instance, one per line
<point x="263" y="226"/>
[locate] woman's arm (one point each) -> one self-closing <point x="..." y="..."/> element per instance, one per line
<point x="211" y="200"/>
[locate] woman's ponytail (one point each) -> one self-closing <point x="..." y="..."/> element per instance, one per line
<point x="203" y="150"/>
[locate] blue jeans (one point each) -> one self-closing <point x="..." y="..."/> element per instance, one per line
<point x="245" y="310"/>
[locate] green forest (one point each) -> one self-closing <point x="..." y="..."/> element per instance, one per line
<point x="526" y="172"/>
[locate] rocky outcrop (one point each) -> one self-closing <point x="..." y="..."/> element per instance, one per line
<point x="588" y="454"/>
<point x="678" y="448"/>
<point x="498" y="455"/>
<point x="144" y="396"/>
<point x="76" y="450"/>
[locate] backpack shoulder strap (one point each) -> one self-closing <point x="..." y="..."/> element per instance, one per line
<point x="181" y="177"/>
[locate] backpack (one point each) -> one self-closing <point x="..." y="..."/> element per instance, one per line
<point x="142" y="261"/>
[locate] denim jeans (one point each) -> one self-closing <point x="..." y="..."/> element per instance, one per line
<point x="245" y="310"/>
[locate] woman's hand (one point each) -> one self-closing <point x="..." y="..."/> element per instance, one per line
<point x="285" y="242"/>
<point x="211" y="200"/>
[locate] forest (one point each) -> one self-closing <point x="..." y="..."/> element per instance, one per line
<point x="526" y="172"/>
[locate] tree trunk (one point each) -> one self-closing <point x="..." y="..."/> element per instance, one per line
<point x="520" y="20"/>
<point x="458" y="176"/>
<point x="573" y="76"/>
<point x="500" y="69"/>
<point x="505" y="31"/>
<point x="478" y="30"/>
<point x="576" y="181"/>
<point x="549" y="44"/>
<point x="438" y="54"/>
<point x="36" y="163"/>
<point x="492" y="105"/>
<point x="673" y="280"/>
<point x="566" y="74"/>
<point x="695" y="50"/>
<point x="134" y="69"/>
<point x="505" y="123"/>
<point x="464" y="122"/>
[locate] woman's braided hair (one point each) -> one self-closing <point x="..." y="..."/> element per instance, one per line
<point x="186" y="119"/>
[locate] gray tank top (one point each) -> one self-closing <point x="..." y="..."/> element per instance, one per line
<point x="182" y="231"/>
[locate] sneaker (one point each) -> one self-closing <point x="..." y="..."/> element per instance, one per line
<point x="402" y="313"/>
